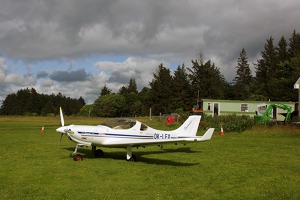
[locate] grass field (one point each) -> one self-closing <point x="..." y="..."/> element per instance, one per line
<point x="256" y="164"/>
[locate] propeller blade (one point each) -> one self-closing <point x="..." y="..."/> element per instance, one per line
<point x="62" y="121"/>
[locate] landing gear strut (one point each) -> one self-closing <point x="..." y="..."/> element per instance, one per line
<point x="130" y="157"/>
<point x="98" y="153"/>
<point x="77" y="157"/>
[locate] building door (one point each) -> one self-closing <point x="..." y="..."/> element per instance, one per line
<point x="216" y="109"/>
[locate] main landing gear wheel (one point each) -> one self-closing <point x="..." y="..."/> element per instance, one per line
<point x="78" y="157"/>
<point x="130" y="156"/>
<point x="99" y="153"/>
<point x="132" y="159"/>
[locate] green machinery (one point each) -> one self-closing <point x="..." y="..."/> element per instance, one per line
<point x="266" y="115"/>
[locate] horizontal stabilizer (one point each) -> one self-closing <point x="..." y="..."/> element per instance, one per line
<point x="208" y="134"/>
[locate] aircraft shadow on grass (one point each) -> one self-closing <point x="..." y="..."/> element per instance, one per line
<point x="119" y="155"/>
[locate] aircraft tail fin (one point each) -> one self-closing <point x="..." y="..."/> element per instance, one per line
<point x="189" y="127"/>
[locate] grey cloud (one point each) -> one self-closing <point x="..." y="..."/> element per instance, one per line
<point x="123" y="76"/>
<point x="54" y="30"/>
<point x="42" y="74"/>
<point x="70" y="76"/>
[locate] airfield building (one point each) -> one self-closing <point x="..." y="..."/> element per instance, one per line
<point x="225" y="107"/>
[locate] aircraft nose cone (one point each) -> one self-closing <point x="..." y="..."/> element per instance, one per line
<point x="61" y="129"/>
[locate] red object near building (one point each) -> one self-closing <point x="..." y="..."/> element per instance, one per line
<point x="170" y="120"/>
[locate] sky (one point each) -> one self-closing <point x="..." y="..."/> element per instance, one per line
<point x="77" y="47"/>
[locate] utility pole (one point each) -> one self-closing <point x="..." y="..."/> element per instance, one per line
<point x="198" y="101"/>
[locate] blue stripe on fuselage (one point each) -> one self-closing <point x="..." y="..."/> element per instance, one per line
<point x="113" y="135"/>
<point x="125" y="135"/>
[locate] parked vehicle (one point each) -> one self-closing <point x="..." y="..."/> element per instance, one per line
<point x="265" y="117"/>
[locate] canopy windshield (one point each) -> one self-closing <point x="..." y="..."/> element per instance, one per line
<point x="119" y="123"/>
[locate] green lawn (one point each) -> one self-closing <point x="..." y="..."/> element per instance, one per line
<point x="256" y="164"/>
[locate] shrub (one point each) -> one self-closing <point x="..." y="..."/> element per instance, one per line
<point x="230" y="123"/>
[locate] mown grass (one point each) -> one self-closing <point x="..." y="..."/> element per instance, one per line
<point x="261" y="163"/>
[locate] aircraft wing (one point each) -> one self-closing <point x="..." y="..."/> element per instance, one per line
<point x="143" y="142"/>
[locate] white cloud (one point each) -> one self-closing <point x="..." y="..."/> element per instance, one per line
<point x="46" y="83"/>
<point x="14" y="79"/>
<point x="141" y="69"/>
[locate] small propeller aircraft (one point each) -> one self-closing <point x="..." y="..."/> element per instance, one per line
<point x="128" y="133"/>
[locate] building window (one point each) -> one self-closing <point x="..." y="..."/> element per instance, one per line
<point x="244" y="107"/>
<point x="208" y="106"/>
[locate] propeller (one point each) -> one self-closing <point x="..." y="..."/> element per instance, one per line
<point x="62" y="121"/>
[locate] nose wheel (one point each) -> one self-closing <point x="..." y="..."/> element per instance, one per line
<point x="78" y="157"/>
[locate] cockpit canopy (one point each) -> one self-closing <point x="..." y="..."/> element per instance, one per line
<point x="119" y="123"/>
<point x="123" y="123"/>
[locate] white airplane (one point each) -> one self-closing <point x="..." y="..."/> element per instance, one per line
<point x="128" y="133"/>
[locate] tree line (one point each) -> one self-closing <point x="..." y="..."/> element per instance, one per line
<point x="275" y="74"/>
<point x="29" y="102"/>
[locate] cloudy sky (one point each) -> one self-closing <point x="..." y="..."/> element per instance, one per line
<point x="76" y="47"/>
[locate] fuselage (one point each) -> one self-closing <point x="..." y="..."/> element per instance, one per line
<point x="106" y="136"/>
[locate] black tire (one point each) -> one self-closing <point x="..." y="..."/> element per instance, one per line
<point x="99" y="153"/>
<point x="132" y="159"/>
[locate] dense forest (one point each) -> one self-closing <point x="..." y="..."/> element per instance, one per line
<point x="275" y="74"/>
<point x="29" y="102"/>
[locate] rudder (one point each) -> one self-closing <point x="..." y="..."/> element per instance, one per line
<point x="190" y="127"/>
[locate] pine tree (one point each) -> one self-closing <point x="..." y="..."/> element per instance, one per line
<point x="294" y="44"/>
<point x="281" y="50"/>
<point x="266" y="69"/>
<point x="243" y="77"/>
<point x="144" y="97"/>
<point x="10" y="105"/>
<point x="130" y="93"/>
<point x="34" y="104"/>
<point x="123" y="90"/>
<point x="182" y="90"/>
<point x="105" y="91"/>
<point x="207" y="79"/>
<point x="161" y="91"/>
<point x="132" y="88"/>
